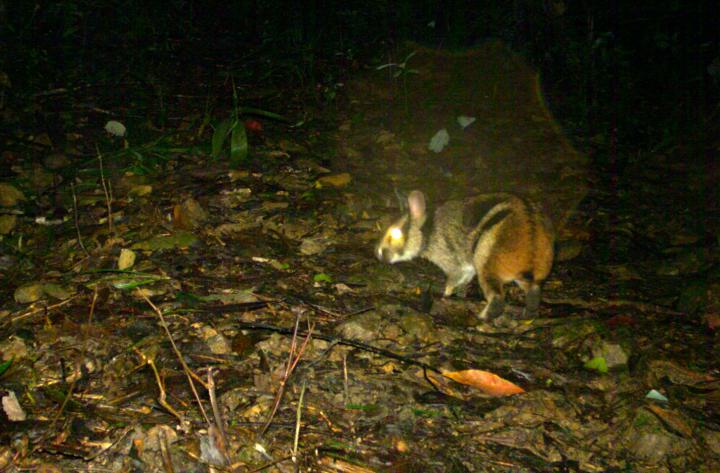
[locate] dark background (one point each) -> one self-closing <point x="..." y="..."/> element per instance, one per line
<point x="636" y="72"/>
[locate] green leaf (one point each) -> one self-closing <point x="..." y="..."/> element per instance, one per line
<point x="124" y="284"/>
<point x="322" y="277"/>
<point x="238" y="144"/>
<point x="219" y="135"/>
<point x="597" y="364"/>
<point x="6" y="365"/>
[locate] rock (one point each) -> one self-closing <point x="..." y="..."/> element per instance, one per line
<point x="313" y="246"/>
<point x="613" y="354"/>
<point x="417" y="326"/>
<point x="219" y="345"/>
<point x="363" y="327"/>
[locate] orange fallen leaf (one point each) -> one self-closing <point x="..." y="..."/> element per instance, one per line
<point x="485" y="381"/>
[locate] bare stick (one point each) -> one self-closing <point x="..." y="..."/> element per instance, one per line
<point x="106" y="190"/>
<point x="612" y="303"/>
<point x="345" y="379"/>
<point x="184" y="365"/>
<point x="292" y="361"/>
<point x="76" y="219"/>
<point x="217" y="415"/>
<point x="297" y="427"/>
<point x="165" y="452"/>
<point x="162" y="399"/>
<point x="71" y="388"/>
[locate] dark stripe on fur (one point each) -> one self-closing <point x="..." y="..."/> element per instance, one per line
<point x="494" y="220"/>
<point x="491" y="222"/>
<point x="476" y="211"/>
<point x="530" y="211"/>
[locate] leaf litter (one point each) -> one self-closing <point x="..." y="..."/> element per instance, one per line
<point x="252" y="328"/>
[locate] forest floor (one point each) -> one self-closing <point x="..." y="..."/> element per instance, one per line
<point x="180" y="315"/>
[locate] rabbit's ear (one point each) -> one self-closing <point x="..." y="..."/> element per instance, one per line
<point x="416" y="204"/>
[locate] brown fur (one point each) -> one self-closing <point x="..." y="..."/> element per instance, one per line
<point x="498" y="237"/>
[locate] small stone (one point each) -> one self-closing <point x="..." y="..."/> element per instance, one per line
<point x="417" y="326"/>
<point x="362" y="327"/>
<point x="613" y="354"/>
<point x="219" y="345"/>
<point x="313" y="246"/>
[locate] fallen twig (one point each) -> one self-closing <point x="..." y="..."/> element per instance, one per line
<point x="297" y="428"/>
<point x="76" y="219"/>
<point x="188" y="372"/>
<point x="71" y="388"/>
<point x="612" y="303"/>
<point x="107" y="190"/>
<point x="341" y="341"/>
<point x="217" y="415"/>
<point x="294" y="356"/>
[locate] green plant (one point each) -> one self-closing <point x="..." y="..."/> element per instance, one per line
<point x="402" y="72"/>
<point x="232" y="129"/>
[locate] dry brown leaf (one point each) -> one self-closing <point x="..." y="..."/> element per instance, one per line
<point x="441" y="384"/>
<point x="335" y="180"/>
<point x="487" y="382"/>
<point x="673" y="420"/>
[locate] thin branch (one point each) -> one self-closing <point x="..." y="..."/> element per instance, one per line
<point x="76" y="219"/>
<point x="297" y="427"/>
<point x="188" y="372"/>
<point x="293" y="359"/>
<point x="107" y="191"/>
<point x="613" y="303"/>
<point x="342" y="341"/>
<point x="217" y="415"/>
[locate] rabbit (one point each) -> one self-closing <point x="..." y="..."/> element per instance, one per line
<point x="499" y="237"/>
